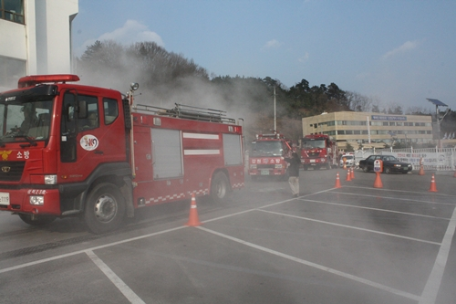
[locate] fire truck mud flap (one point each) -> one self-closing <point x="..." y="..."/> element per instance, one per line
<point x="220" y="187"/>
<point x="105" y="209"/>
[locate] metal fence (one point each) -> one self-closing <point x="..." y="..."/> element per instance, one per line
<point x="438" y="159"/>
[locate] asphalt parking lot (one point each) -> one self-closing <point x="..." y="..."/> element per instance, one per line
<point x="353" y="244"/>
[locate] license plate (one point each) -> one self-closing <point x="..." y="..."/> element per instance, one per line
<point x="264" y="172"/>
<point x="312" y="160"/>
<point x="4" y="198"/>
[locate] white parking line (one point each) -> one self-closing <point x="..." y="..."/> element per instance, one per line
<point x="351" y="227"/>
<point x="123" y="288"/>
<point x="432" y="287"/>
<point x="375" y="209"/>
<point x="402" y="191"/>
<point x="317" y="266"/>
<point x="397" y="199"/>
<point x="58" y="257"/>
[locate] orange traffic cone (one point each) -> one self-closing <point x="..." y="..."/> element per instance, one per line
<point x="352" y="173"/>
<point x="193" y="218"/>
<point x="337" y="181"/>
<point x="421" y="170"/>
<point x="433" y="187"/>
<point x="348" y="179"/>
<point x="378" y="181"/>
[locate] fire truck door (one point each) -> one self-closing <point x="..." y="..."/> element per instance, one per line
<point x="83" y="146"/>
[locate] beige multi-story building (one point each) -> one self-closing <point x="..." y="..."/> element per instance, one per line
<point x="35" y="38"/>
<point x="368" y="129"/>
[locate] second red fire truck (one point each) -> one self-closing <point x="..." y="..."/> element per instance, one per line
<point x="318" y="151"/>
<point x="267" y="155"/>
<point x="75" y="150"/>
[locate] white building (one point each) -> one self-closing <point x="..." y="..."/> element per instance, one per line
<point x="370" y="129"/>
<point x="35" y="38"/>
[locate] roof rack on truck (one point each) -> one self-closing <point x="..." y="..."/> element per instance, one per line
<point x="188" y="112"/>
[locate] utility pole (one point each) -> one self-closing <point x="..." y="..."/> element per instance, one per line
<point x="275" y="122"/>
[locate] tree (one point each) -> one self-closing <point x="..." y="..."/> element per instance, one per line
<point x="358" y="102"/>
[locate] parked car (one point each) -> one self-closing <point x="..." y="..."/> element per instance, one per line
<point x="349" y="161"/>
<point x="390" y="164"/>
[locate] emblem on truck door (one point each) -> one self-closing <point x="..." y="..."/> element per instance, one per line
<point x="89" y="142"/>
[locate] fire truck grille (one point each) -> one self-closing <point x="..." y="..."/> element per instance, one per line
<point x="11" y="171"/>
<point x="314" y="154"/>
<point x="265" y="166"/>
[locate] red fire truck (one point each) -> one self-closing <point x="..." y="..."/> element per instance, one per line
<point x="266" y="157"/>
<point x="91" y="152"/>
<point x="318" y="151"/>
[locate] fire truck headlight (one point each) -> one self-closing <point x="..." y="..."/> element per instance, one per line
<point x="253" y="166"/>
<point x="50" y="179"/>
<point x="278" y="166"/>
<point x="36" y="200"/>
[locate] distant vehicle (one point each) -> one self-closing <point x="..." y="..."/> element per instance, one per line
<point x="349" y="161"/>
<point x="318" y="151"/>
<point x="390" y="164"/>
<point x="267" y="157"/>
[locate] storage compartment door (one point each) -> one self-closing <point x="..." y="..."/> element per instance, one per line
<point x="232" y="150"/>
<point x="167" y="153"/>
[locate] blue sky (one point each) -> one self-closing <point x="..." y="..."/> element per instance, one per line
<point x="396" y="52"/>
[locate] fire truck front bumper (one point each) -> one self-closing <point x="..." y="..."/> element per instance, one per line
<point x="266" y="172"/>
<point x="32" y="201"/>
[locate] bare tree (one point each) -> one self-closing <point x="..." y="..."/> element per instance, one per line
<point x="358" y="102"/>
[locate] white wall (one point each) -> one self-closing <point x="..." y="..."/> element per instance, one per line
<point x="44" y="41"/>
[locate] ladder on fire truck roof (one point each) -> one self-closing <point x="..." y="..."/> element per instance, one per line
<point x="188" y="112"/>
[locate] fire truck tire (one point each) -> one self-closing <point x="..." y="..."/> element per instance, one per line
<point x="41" y="220"/>
<point x="220" y="187"/>
<point x="105" y="208"/>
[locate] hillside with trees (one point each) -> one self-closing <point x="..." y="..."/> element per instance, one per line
<point x="167" y="78"/>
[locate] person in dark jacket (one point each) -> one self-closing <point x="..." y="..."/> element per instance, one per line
<point x="293" y="173"/>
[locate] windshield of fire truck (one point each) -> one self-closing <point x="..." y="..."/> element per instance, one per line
<point x="267" y="148"/>
<point x="22" y="120"/>
<point x="318" y="143"/>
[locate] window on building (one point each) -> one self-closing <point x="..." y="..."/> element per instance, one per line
<point x="385" y="123"/>
<point x="356" y="132"/>
<point x="392" y="123"/>
<point x="348" y="132"/>
<point x="340" y="132"/>
<point x="12" y="10"/>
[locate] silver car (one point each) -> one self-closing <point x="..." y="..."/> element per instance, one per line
<point x="349" y="161"/>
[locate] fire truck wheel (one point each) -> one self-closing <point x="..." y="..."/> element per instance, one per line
<point x="41" y="220"/>
<point x="219" y="187"/>
<point x="105" y="208"/>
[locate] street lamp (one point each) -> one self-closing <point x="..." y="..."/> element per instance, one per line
<point x="438" y="103"/>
